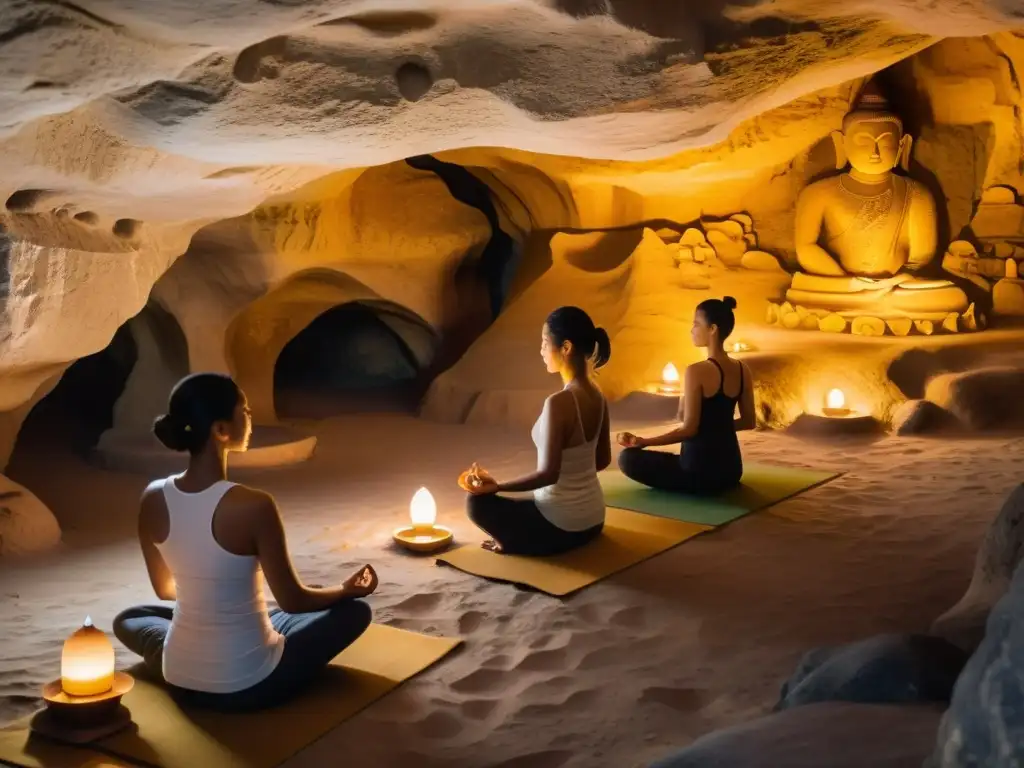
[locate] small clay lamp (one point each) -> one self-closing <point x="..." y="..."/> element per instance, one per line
<point x="738" y="347"/>
<point x="669" y="381"/>
<point x="85" y="703"/>
<point x="423" y="535"/>
<point x="835" y="405"/>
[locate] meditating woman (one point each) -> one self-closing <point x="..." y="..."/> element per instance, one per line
<point x="709" y="461"/>
<point x="573" y="445"/>
<point x="205" y="541"/>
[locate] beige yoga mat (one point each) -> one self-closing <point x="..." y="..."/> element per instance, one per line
<point x="170" y="737"/>
<point x="628" y="538"/>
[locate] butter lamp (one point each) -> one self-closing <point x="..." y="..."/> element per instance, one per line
<point x="669" y="381"/>
<point x="836" y="418"/>
<point x="84" y="705"/>
<point x="835" y="405"/>
<point x="423" y="535"/>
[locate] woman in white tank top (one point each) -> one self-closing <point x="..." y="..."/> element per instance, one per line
<point x="207" y="544"/>
<point x="573" y="445"/>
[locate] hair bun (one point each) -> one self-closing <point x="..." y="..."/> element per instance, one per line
<point x="169" y="432"/>
<point x="729" y="302"/>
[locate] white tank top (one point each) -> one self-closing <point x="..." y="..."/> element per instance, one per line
<point x="575" y="502"/>
<point x="221" y="639"/>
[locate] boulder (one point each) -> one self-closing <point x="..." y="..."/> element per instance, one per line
<point x="887" y="669"/>
<point x="918" y="417"/>
<point x="984" y="725"/>
<point x="998" y="557"/>
<point x="983" y="399"/>
<point x="832" y="735"/>
<point x="1008" y="295"/>
<point x="27" y="526"/>
<point x="760" y="261"/>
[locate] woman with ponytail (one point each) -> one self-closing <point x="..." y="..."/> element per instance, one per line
<point x="573" y="445"/>
<point x="709" y="461"/>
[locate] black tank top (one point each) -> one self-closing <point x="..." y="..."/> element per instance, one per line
<point x="714" y="451"/>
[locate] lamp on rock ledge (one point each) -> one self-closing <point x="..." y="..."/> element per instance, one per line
<point x="84" y="705"/>
<point x="836" y="418"/>
<point x="423" y="535"/>
<point x="835" y="405"/>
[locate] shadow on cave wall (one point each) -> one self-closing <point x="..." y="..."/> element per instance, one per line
<point x="356" y="357"/>
<point x="501" y="256"/>
<point x="81" y="407"/>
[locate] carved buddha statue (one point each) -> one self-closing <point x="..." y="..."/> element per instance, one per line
<point x="862" y="234"/>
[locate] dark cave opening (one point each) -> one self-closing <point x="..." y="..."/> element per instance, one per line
<point x="73" y="415"/>
<point x="359" y="356"/>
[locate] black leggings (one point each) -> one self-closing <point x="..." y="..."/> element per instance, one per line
<point x="520" y="528"/>
<point x="665" y="472"/>
<point x="312" y="640"/>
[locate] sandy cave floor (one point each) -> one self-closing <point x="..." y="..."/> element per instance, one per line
<point x="693" y="640"/>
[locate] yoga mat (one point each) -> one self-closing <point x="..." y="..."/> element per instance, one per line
<point x="762" y="486"/>
<point x="17" y="749"/>
<point x="628" y="538"/>
<point x="167" y="736"/>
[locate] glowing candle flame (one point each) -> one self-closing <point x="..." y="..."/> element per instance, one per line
<point x="423" y="509"/>
<point x="835" y="399"/>
<point x="669" y="374"/>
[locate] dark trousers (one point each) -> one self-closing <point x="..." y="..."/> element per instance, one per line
<point x="665" y="472"/>
<point x="520" y="528"/>
<point x="312" y="640"/>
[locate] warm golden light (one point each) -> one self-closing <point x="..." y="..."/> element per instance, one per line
<point x="669" y="374"/>
<point x="87" y="662"/>
<point x="423" y="509"/>
<point x="835" y="399"/>
<point x="740" y="346"/>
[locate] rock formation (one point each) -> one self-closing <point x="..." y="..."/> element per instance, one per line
<point x="233" y="184"/>
<point x="26" y="525"/>
<point x="983" y="725"/>
<point x="999" y="556"/>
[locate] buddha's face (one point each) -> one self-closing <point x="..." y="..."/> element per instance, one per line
<point x="873" y="146"/>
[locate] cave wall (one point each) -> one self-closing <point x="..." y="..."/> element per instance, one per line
<point x="91" y="236"/>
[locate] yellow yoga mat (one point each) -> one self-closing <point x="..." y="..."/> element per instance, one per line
<point x="628" y="538"/>
<point x="170" y="737"/>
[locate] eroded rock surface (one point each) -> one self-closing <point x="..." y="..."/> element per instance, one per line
<point x="984" y="724"/>
<point x="271" y="156"/>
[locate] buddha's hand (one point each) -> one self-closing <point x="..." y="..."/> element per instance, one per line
<point x="477" y="480"/>
<point x="361" y="583"/>
<point x="884" y="283"/>
<point x="629" y="440"/>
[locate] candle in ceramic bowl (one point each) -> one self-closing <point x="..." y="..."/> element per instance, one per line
<point x="424" y="535"/>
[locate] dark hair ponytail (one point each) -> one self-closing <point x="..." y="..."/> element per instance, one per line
<point x="719" y="312"/>
<point x="197" y="402"/>
<point x="574" y="325"/>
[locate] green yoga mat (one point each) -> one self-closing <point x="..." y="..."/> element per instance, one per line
<point x="762" y="486"/>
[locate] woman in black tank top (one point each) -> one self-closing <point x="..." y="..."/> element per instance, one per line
<point x="709" y="460"/>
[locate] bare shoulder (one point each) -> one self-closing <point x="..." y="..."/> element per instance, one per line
<point x="813" y="196"/>
<point x="154" y="490"/>
<point x="152" y="501"/>
<point x="560" y="401"/>
<point x="244" y="498"/>
<point x="747" y="374"/>
<point x="700" y="370"/>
